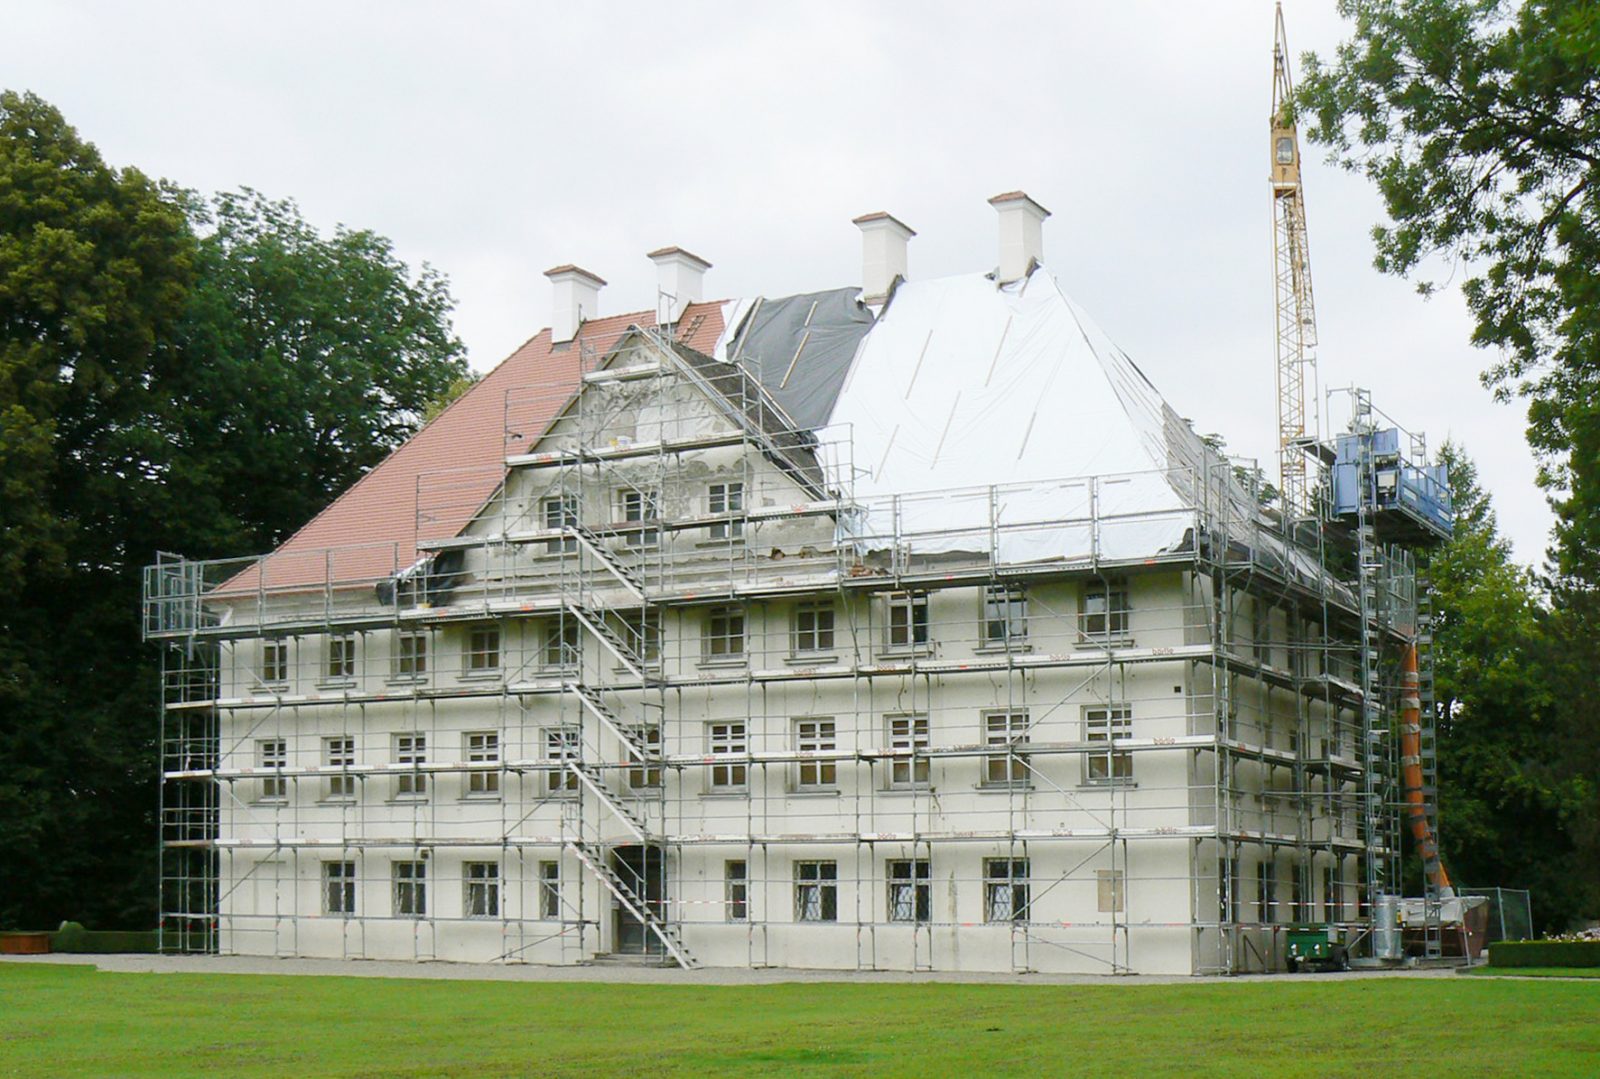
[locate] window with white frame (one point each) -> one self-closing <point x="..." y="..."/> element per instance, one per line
<point x="1108" y="884"/>
<point x="736" y="890"/>
<point x="1005" y="615"/>
<point x="550" y="891"/>
<point x="723" y="637"/>
<point x="340" y="753"/>
<point x="1103" y="610"/>
<point x="561" y="647"/>
<point x="410" y="654"/>
<point x="644" y="772"/>
<point x="341" y="657"/>
<point x="813" y="627"/>
<point x="481" y="881"/>
<point x="483" y="748"/>
<point x="275" y="661"/>
<point x="728" y="740"/>
<point x="908" y="738"/>
<point x="635" y="506"/>
<point x="560" y="512"/>
<point x="910" y="890"/>
<point x="561" y="744"/>
<point x="1009" y="731"/>
<point x="482" y="655"/>
<point x="816" y="736"/>
<point x="339" y="888"/>
<point x="907" y="621"/>
<point x="410" y="889"/>
<point x="816" y="891"/>
<point x="1005" y="890"/>
<point x="1103" y="726"/>
<point x="726" y="498"/>
<point x="273" y="753"/>
<point x="411" y="751"/>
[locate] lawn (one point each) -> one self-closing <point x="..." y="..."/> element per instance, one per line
<point x="1535" y="972"/>
<point x="64" y="1020"/>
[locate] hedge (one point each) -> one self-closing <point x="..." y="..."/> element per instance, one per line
<point x="72" y="937"/>
<point x="1545" y="953"/>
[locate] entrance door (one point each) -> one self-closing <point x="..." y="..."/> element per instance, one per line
<point x="643" y="870"/>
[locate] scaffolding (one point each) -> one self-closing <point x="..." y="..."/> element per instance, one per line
<point x="677" y="695"/>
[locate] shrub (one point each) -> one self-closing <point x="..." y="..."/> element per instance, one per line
<point x="73" y="937"/>
<point x="1545" y="953"/>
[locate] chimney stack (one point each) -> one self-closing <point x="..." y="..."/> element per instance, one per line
<point x="576" y="297"/>
<point x="1021" y="234"/>
<point x="680" y="281"/>
<point x="883" y="253"/>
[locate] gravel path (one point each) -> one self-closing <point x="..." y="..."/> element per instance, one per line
<point x="361" y="968"/>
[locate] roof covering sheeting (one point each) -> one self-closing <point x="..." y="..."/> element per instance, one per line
<point x="798" y="347"/>
<point x="966" y="384"/>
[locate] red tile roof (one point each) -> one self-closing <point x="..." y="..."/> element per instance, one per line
<point x="371" y="530"/>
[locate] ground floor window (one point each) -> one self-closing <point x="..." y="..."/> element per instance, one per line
<point x="410" y="889"/>
<point x="816" y="891"/>
<point x="550" y="890"/>
<point x="482" y="882"/>
<point x="339" y="888"/>
<point x="736" y="900"/>
<point x="1005" y="890"/>
<point x="910" y="891"/>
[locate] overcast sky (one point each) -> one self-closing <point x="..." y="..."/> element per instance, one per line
<point x="497" y="140"/>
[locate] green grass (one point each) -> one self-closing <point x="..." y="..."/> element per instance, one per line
<point x="64" y="1020"/>
<point x="1535" y="972"/>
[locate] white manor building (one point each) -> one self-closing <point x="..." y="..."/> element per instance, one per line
<point x="896" y="627"/>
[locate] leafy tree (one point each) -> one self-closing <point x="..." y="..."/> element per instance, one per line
<point x="1479" y="123"/>
<point x="173" y="375"/>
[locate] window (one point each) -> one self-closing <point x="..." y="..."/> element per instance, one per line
<point x="816" y="736"/>
<point x="1261" y="632"/>
<point x="1266" y="891"/>
<point x="1228" y="889"/>
<point x="410" y="654"/>
<point x="274" y="660"/>
<point x="560" y="746"/>
<point x="560" y="512"/>
<point x="410" y="751"/>
<point x="641" y="633"/>
<point x="736" y="891"/>
<point x="273" y="753"/>
<point x="645" y="772"/>
<point x="1009" y="729"/>
<point x="726" y="498"/>
<point x="1109" y="882"/>
<point x="724" y="633"/>
<point x="550" y="891"/>
<point x="341" y="656"/>
<point x="561" y="648"/>
<point x="816" y="891"/>
<point x="1103" y="725"/>
<point x="1330" y="894"/>
<point x="1005" y="615"/>
<point x="908" y="621"/>
<point x="483" y="649"/>
<point x="634" y="506"/>
<point x="910" y="891"/>
<point x="813" y="627"/>
<point x="340" y="753"/>
<point x="482" y="881"/>
<point x="728" y="739"/>
<point x="410" y="889"/>
<point x="339" y="888"/>
<point x="1103" y="611"/>
<point x="483" y="747"/>
<point x="1005" y="890"/>
<point x="908" y="735"/>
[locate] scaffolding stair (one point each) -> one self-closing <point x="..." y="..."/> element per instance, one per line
<point x="591" y="780"/>
<point x="595" y="705"/>
<point x="593" y="621"/>
<point x="594" y="861"/>
<point x="612" y="565"/>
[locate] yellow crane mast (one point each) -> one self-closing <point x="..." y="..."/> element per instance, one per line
<point x="1297" y="317"/>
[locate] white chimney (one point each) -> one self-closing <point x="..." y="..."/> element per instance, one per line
<point x="1021" y="234"/>
<point x="883" y="253"/>
<point x="576" y="297"/>
<point x="680" y="281"/>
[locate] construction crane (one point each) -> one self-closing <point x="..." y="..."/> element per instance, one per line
<point x="1297" y="316"/>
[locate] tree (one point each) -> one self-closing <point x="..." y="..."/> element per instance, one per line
<point x="173" y="376"/>
<point x="1479" y="123"/>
